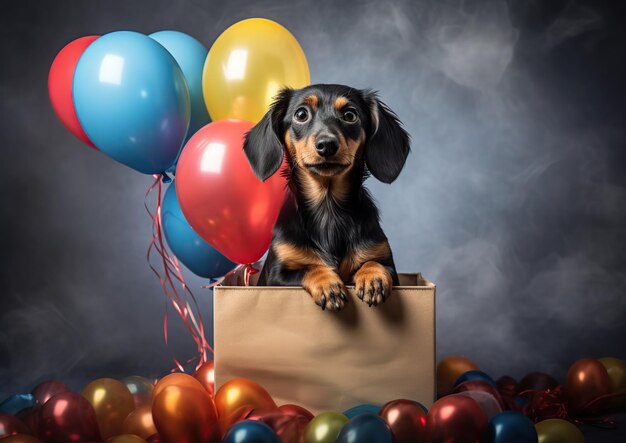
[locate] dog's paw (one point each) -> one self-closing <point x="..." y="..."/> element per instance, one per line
<point x="326" y="288"/>
<point x="372" y="283"/>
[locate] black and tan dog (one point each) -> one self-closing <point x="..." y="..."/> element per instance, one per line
<point x="328" y="233"/>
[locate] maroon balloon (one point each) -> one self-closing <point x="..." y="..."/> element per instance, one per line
<point x="587" y="379"/>
<point x="68" y="417"/>
<point x="295" y="410"/>
<point x="154" y="438"/>
<point x="480" y="385"/>
<point x="46" y="390"/>
<point x="30" y="417"/>
<point x="406" y="419"/>
<point x="288" y="428"/>
<point x="507" y="386"/>
<point x="10" y="425"/>
<point x="537" y="381"/>
<point x="455" y="418"/>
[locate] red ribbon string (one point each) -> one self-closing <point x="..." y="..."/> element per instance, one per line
<point x="171" y="273"/>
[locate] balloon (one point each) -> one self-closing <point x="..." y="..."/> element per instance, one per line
<point x="187" y="246"/>
<point x="140" y="388"/>
<point x="475" y="375"/>
<point x="222" y="199"/>
<point x="361" y="409"/>
<point x="185" y="414"/>
<point x="247" y="65"/>
<point x="487" y="402"/>
<point x="60" y="81"/>
<point x="237" y="395"/>
<point x="176" y="379"/>
<point x="16" y="403"/>
<point x="480" y="385"/>
<point x="287" y="428"/>
<point x="126" y="438"/>
<point x="325" y="428"/>
<point x="366" y="428"/>
<point x="295" y="410"/>
<point x="21" y="438"/>
<point x="10" y="425"/>
<point x="44" y="391"/>
<point x="407" y="420"/>
<point x="205" y="374"/>
<point x="555" y="430"/>
<point x="537" y="381"/>
<point x="132" y="100"/>
<point x="30" y="417"/>
<point x="112" y="402"/>
<point x="617" y="372"/>
<point x="586" y="380"/>
<point x="140" y="422"/>
<point x="156" y="438"/>
<point x="455" y="418"/>
<point x="190" y="55"/>
<point x="511" y="427"/>
<point x="68" y="417"/>
<point x="507" y="386"/>
<point x="249" y="431"/>
<point x="449" y="370"/>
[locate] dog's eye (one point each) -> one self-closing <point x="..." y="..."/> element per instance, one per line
<point x="301" y="115"/>
<point x="349" y="115"/>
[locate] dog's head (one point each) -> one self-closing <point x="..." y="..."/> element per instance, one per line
<point x="326" y="130"/>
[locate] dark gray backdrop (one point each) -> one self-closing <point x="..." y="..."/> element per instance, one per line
<point x="513" y="200"/>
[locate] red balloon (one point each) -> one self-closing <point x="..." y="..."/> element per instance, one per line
<point x="480" y="385"/>
<point x="221" y="198"/>
<point x="295" y="410"/>
<point x="44" y="391"/>
<point x="587" y="379"/>
<point x="60" y="82"/>
<point x="455" y="418"/>
<point x="68" y="417"/>
<point x="154" y="438"/>
<point x="288" y="428"/>
<point x="30" y="417"/>
<point x="406" y="419"/>
<point x="507" y="386"/>
<point x="10" y="425"/>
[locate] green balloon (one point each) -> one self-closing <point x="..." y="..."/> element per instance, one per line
<point x="325" y="428"/>
<point x="555" y="430"/>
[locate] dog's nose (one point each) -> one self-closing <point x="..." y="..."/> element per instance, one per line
<point x="326" y="145"/>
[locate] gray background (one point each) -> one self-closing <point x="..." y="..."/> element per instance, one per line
<point x="513" y="200"/>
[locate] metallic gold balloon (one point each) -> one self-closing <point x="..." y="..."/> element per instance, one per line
<point x="139" y="422"/>
<point x="247" y="65"/>
<point x="586" y="380"/>
<point x="205" y="374"/>
<point x="555" y="430"/>
<point x="21" y="438"/>
<point x="140" y="388"/>
<point x="617" y="373"/>
<point x="176" y="379"/>
<point x="184" y="414"/>
<point x="126" y="438"/>
<point x="449" y="370"/>
<point x="325" y="428"/>
<point x="237" y="395"/>
<point x="112" y="402"/>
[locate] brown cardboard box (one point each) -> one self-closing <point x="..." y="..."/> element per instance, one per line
<point x="324" y="360"/>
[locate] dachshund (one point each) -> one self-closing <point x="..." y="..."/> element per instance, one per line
<point x="328" y="233"/>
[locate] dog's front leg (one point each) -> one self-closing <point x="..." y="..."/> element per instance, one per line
<point x="373" y="282"/>
<point x="326" y="287"/>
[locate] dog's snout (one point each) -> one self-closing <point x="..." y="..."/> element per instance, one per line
<point x="326" y="145"/>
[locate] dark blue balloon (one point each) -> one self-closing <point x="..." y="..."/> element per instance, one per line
<point x="366" y="428"/>
<point x="511" y="427"/>
<point x="361" y="409"/>
<point x="250" y="431"/>
<point x="475" y="375"/>
<point x="16" y="403"/>
<point x="200" y="257"/>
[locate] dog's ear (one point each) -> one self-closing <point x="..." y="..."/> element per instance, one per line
<point x="263" y="144"/>
<point x="388" y="144"/>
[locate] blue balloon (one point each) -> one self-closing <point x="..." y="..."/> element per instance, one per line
<point x="250" y="431"/>
<point x="366" y="428"/>
<point x="16" y="403"/>
<point x="132" y="100"/>
<point x="361" y="409"/>
<point x="511" y="427"/>
<point x="200" y="257"/>
<point x="475" y="375"/>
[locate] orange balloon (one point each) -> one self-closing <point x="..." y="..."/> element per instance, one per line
<point x="238" y="395"/>
<point x="184" y="414"/>
<point x="206" y="375"/>
<point x="449" y="370"/>
<point x="126" y="438"/>
<point x="20" y="438"/>
<point x="112" y="402"/>
<point x="139" y="422"/>
<point x="176" y="379"/>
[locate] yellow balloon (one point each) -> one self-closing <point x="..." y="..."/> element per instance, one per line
<point x="617" y="373"/>
<point x="247" y="65"/>
<point x="555" y="430"/>
<point x="112" y="402"/>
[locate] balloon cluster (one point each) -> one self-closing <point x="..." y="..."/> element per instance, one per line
<point x="185" y="408"/>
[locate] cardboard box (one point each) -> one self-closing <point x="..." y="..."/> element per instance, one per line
<point x="327" y="361"/>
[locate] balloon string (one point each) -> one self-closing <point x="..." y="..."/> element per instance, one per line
<point x="248" y="271"/>
<point x="172" y="272"/>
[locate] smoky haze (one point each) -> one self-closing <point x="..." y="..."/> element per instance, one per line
<point x="513" y="200"/>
